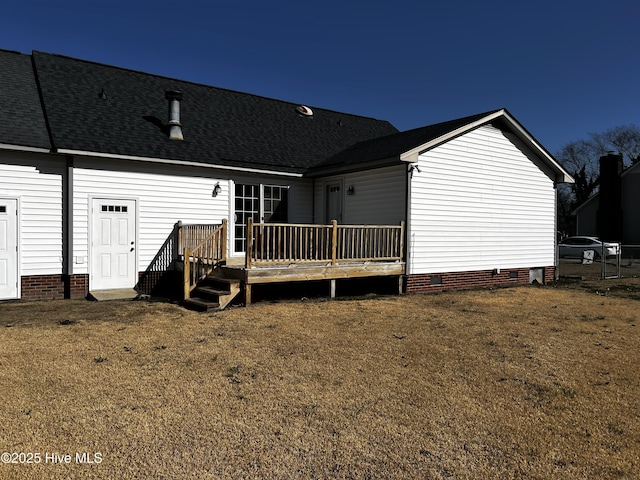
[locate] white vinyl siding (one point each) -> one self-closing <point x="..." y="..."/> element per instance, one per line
<point x="165" y="195"/>
<point x="162" y="200"/>
<point x="379" y="196"/>
<point x="300" y="193"/>
<point x="36" y="181"/>
<point x="480" y="203"/>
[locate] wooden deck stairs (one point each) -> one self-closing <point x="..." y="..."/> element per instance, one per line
<point x="215" y="292"/>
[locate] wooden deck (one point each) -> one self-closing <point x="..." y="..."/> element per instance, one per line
<point x="298" y="252"/>
<point x="309" y="272"/>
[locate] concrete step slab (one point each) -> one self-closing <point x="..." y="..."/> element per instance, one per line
<point x="115" y="294"/>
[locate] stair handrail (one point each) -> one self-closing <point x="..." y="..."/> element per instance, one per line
<point x="200" y="260"/>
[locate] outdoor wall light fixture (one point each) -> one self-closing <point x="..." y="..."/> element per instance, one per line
<point x="216" y="190"/>
<point x="351" y="190"/>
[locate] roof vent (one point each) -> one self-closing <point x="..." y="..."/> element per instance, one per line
<point x="175" y="127"/>
<point x="304" y="111"/>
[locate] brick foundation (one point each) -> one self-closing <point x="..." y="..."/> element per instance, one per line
<point x="168" y="284"/>
<point x="43" y="287"/>
<point x="549" y="274"/>
<point x="54" y="287"/>
<point x="77" y="286"/>
<point x="57" y="287"/>
<point x="436" y="282"/>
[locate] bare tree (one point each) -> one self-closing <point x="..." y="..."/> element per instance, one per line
<point x="624" y="139"/>
<point x="581" y="157"/>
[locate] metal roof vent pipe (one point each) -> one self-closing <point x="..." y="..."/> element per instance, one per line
<point x="175" y="127"/>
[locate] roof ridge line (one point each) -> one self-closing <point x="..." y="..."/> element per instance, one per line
<point x="4" y="50"/>
<point x="200" y="84"/>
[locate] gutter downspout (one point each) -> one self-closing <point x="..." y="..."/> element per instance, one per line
<point x="67" y="227"/>
<point x="407" y="223"/>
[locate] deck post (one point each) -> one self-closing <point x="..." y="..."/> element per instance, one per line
<point x="247" y="294"/>
<point x="187" y="273"/>
<point x="249" y="246"/>
<point x="334" y="247"/>
<point x="180" y="233"/>
<point x="223" y="248"/>
<point x="401" y="252"/>
<point x="333" y="288"/>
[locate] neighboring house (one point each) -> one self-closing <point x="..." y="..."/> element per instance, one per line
<point x="613" y="213"/>
<point x="92" y="183"/>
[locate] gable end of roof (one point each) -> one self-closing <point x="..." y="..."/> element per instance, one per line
<point x="503" y="120"/>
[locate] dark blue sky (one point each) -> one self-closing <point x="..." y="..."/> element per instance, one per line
<point x="564" y="68"/>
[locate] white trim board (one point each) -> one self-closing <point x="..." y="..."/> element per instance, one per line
<point x="10" y="245"/>
<point x="177" y="162"/>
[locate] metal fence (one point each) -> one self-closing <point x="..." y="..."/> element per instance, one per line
<point x="623" y="261"/>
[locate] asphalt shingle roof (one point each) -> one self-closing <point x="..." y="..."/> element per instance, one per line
<point x="220" y="126"/>
<point x="102" y="109"/>
<point x="391" y="146"/>
<point x="22" y="122"/>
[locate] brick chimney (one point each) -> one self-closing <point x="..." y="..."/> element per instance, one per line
<point x="609" y="216"/>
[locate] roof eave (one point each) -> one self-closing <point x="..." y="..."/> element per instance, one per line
<point x="168" y="161"/>
<point x="585" y="203"/>
<point x="561" y="175"/>
<point x="349" y="168"/>
<point x="631" y="169"/>
<point x="24" y="148"/>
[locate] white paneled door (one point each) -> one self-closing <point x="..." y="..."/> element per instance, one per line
<point x="113" y="244"/>
<point x="8" y="248"/>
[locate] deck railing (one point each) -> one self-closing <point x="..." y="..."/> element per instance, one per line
<point x="201" y="258"/>
<point x="365" y="242"/>
<point x="284" y="243"/>
<point x="191" y="235"/>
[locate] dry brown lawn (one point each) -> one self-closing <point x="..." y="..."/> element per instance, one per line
<point x="530" y="382"/>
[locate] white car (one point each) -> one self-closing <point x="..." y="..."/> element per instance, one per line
<point x="576" y="246"/>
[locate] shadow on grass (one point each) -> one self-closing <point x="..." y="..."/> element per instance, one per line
<point x="320" y="289"/>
